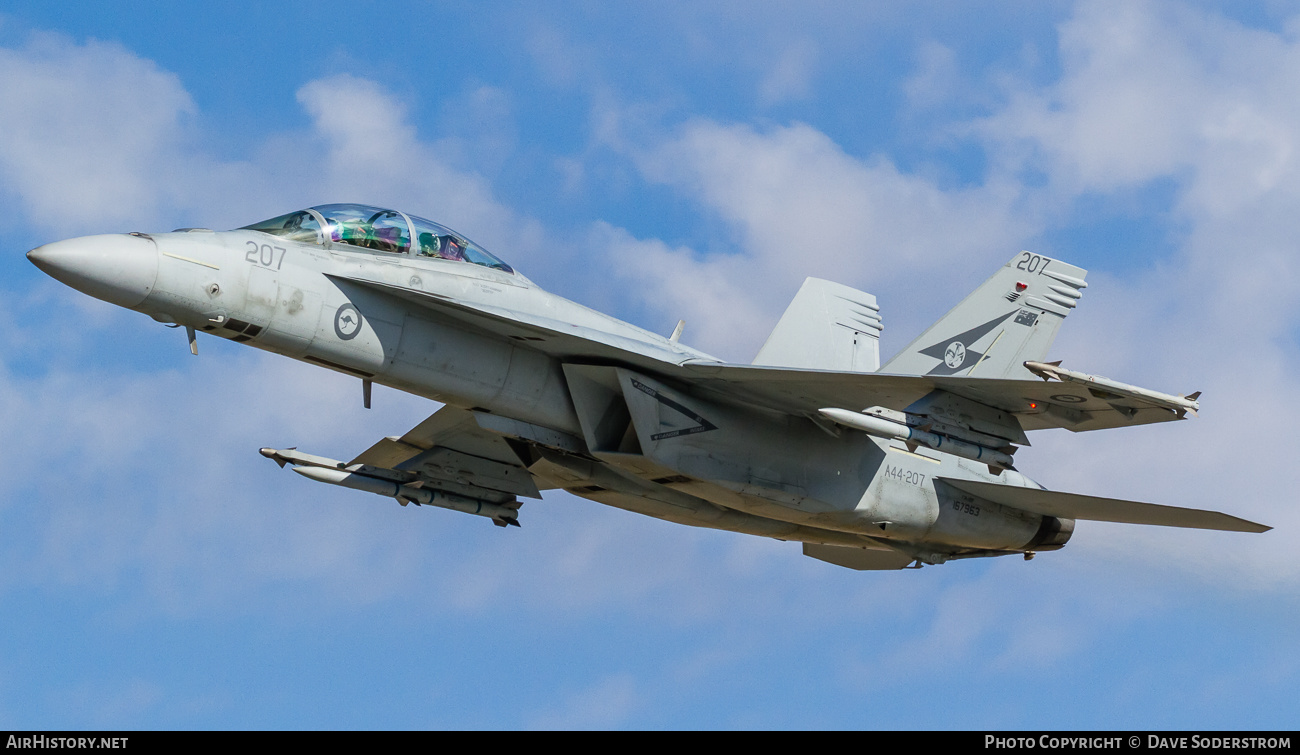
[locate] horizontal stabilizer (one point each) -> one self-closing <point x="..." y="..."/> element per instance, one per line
<point x="862" y="559"/>
<point x="1075" y="506"/>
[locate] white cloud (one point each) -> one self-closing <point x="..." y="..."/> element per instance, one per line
<point x="370" y="150"/>
<point x="988" y="626"/>
<point x="481" y="123"/>
<point x="99" y="139"/>
<point x="160" y="492"/>
<point x="797" y="204"/>
<point x="1156" y="91"/>
<point x="800" y="206"/>
<point x="936" y="79"/>
<point x="141" y="482"/>
<point x="155" y="477"/>
<point x="155" y="466"/>
<point x="89" y="130"/>
<point x="1149" y="91"/>
<point x="790" y="77"/>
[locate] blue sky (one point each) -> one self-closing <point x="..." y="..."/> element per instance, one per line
<point x="657" y="161"/>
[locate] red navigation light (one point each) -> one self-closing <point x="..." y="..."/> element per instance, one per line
<point x="1021" y="285"/>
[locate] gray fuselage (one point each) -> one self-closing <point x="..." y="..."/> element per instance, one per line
<point x="363" y="313"/>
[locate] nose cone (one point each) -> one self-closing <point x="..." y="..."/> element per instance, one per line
<point x="117" y="268"/>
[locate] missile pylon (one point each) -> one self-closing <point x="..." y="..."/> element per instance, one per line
<point x="413" y="493"/>
<point x="913" y="436"/>
<point x="329" y="471"/>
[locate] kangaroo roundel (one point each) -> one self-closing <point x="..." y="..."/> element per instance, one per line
<point x="347" y="322"/>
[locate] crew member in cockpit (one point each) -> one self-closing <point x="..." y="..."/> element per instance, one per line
<point x="443" y="247"/>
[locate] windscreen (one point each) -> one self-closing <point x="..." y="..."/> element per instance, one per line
<point x="296" y="226"/>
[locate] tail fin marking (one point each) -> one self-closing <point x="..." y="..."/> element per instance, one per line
<point x="1012" y="317"/>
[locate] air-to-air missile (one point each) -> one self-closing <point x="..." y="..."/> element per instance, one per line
<point x="355" y="476"/>
<point x="882" y="424"/>
<point x="1108" y="389"/>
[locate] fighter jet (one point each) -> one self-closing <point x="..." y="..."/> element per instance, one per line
<point x="869" y="467"/>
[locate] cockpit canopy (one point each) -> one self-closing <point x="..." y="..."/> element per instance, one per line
<point x="379" y="230"/>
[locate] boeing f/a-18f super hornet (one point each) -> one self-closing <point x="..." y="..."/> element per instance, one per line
<point x="868" y="467"/>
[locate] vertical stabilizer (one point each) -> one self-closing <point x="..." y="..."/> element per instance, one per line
<point x="1010" y="319"/>
<point x="827" y="326"/>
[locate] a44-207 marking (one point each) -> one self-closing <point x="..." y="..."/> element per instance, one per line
<point x="905" y="476"/>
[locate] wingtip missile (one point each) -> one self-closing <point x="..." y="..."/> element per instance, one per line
<point x="1047" y="370"/>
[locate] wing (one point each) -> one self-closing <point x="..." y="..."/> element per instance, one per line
<point x="451" y="451"/>
<point x="1075" y="401"/>
<point x="1075" y="506"/>
<point x="594" y="340"/>
<point x="1034" y="404"/>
